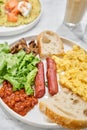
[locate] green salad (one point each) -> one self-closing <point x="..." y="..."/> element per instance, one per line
<point x="19" y="68"/>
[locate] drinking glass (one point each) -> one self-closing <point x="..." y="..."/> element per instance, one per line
<point x="75" y="10"/>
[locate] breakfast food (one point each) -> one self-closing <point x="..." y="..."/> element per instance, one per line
<point x="18" y="68"/>
<point x="72" y="70"/>
<point x="22" y="45"/>
<point x="18" y="101"/>
<point x="49" y="43"/>
<point x="24" y="73"/>
<point x="51" y="76"/>
<point x="40" y="81"/>
<point x="68" y="107"/>
<point x="65" y="109"/>
<point x="18" y="12"/>
<point x="17" y="74"/>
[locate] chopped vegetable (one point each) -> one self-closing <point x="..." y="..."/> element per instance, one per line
<point x="19" y="69"/>
<point x="30" y="81"/>
<point x="4" y="48"/>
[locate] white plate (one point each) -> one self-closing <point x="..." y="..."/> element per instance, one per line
<point x="35" y="117"/>
<point x="8" y="31"/>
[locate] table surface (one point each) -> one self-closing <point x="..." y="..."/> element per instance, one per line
<point x="52" y="19"/>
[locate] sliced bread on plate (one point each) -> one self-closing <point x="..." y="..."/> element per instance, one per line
<point x="65" y="109"/>
<point x="49" y="43"/>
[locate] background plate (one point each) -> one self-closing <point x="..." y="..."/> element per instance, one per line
<point x="35" y="117"/>
<point x="9" y="31"/>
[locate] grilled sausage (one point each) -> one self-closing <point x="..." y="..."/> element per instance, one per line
<point x="40" y="81"/>
<point x="51" y="76"/>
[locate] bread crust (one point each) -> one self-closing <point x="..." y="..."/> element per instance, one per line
<point x="58" y="40"/>
<point x="62" y="120"/>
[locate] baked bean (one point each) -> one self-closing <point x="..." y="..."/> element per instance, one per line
<point x="18" y="100"/>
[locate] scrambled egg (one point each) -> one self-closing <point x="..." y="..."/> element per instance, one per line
<point x="35" y="11"/>
<point x="72" y="71"/>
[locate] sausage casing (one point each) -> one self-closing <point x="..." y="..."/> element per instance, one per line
<point x="51" y="76"/>
<point x="40" y="81"/>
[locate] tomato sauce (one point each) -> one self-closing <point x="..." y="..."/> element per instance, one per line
<point x="18" y="100"/>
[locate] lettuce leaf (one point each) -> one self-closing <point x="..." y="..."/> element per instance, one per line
<point x="4" y="48"/>
<point x="30" y="81"/>
<point x="19" y="69"/>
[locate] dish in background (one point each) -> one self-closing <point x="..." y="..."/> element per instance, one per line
<point x="9" y="31"/>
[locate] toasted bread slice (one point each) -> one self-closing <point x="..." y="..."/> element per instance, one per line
<point x="49" y="43"/>
<point x="66" y="109"/>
